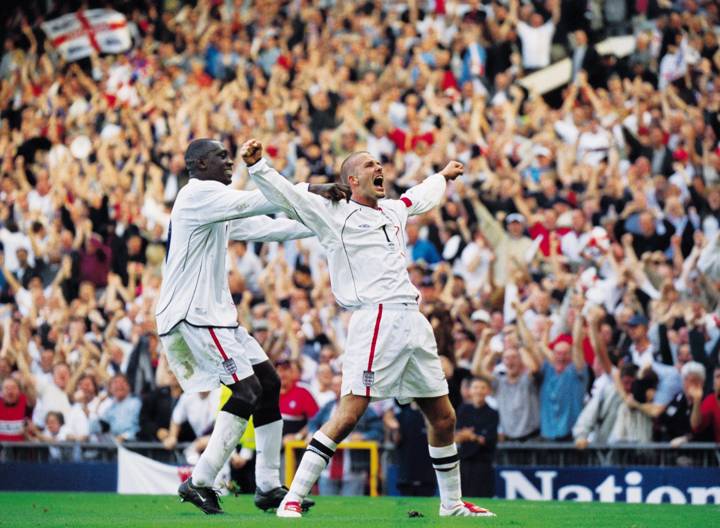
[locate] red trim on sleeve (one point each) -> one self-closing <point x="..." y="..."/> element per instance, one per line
<point x="372" y="345"/>
<point x="406" y="201"/>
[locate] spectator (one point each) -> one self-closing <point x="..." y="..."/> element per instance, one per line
<point x="198" y="411"/>
<point x="416" y="476"/>
<point x="673" y="423"/>
<point x="476" y="433"/>
<point x="156" y="412"/>
<point x="84" y="410"/>
<point x="598" y="419"/>
<point x="297" y="404"/>
<point x="634" y="422"/>
<point x="512" y="249"/>
<point x="120" y="415"/>
<point x="516" y="387"/>
<point x="535" y="35"/>
<point x="564" y="380"/>
<point x="322" y="385"/>
<point x="705" y="416"/>
<point x="14" y="412"/>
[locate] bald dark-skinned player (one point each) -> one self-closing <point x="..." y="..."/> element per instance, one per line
<point x="197" y="319"/>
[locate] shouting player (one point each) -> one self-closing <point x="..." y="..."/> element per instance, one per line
<point x="391" y="349"/>
<point x="197" y="319"/>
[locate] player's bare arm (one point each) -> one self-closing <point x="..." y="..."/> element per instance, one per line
<point x="251" y="152"/>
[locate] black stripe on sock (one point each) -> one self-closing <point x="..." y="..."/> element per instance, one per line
<point x="318" y="453"/>
<point x="446" y="469"/>
<point x="322" y="448"/>
<point x="445" y="460"/>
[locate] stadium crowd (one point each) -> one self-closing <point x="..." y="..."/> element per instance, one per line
<point x="571" y="276"/>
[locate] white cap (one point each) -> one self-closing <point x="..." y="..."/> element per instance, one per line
<point x="539" y="150"/>
<point x="480" y="315"/>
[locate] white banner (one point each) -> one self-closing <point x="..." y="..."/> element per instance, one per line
<point x="142" y="475"/>
<point x="76" y="35"/>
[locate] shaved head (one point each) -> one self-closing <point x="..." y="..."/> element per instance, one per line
<point x="198" y="149"/>
<point x="350" y="165"/>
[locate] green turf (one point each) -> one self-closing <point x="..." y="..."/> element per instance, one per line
<point x="100" y="509"/>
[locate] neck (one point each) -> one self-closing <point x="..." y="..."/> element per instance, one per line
<point x="364" y="200"/>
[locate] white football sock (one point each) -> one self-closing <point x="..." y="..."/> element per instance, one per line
<point x="446" y="463"/>
<point x="316" y="457"/>
<point x="268" y="442"/>
<point x="223" y="440"/>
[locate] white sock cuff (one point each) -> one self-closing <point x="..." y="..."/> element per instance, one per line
<point x="442" y="452"/>
<point x="272" y="426"/>
<point x="324" y="439"/>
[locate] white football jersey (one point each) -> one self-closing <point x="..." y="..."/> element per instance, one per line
<point x="206" y="214"/>
<point x="365" y="246"/>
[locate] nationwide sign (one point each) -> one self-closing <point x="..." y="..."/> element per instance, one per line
<point x="648" y="485"/>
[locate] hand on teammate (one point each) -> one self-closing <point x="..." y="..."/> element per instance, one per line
<point x="331" y="191"/>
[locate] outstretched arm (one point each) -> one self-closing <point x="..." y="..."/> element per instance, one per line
<point x="266" y="229"/>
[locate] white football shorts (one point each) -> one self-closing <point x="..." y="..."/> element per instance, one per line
<point x="390" y="352"/>
<point x="204" y="357"/>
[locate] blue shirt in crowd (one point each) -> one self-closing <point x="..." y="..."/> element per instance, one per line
<point x="561" y="399"/>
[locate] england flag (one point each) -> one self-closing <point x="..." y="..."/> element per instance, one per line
<point x="77" y="34"/>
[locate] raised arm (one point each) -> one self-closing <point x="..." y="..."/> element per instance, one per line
<point x="594" y="319"/>
<point x="578" y="335"/>
<point x="307" y="208"/>
<point x="428" y="194"/>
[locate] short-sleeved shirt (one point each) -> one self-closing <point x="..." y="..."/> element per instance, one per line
<point x="297" y="406"/>
<point x="518" y="405"/>
<point x="561" y="399"/>
<point x="197" y="410"/>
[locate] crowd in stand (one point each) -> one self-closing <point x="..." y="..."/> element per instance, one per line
<point x="571" y="275"/>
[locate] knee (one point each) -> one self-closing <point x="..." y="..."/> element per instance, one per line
<point x="270" y="383"/>
<point x="245" y="396"/>
<point x="445" y="422"/>
<point x="252" y="390"/>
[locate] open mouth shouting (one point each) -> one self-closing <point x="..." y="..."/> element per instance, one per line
<point x="378" y="181"/>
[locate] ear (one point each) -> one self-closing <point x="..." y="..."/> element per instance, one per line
<point x="353" y="180"/>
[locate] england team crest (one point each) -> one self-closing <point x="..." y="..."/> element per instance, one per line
<point x="230" y="366"/>
<point x="368" y="378"/>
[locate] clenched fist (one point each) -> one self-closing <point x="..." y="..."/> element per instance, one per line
<point x="452" y="170"/>
<point x="251" y="151"/>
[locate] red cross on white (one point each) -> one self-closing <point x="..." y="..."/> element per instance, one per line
<point x="76" y="35"/>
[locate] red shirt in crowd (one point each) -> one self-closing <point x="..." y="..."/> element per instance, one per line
<point x="12" y="420"/>
<point x="539" y="229"/>
<point x="297" y="406"/>
<point x="405" y="141"/>
<point x="710" y="411"/>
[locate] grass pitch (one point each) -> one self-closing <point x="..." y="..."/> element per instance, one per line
<point x="118" y="511"/>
